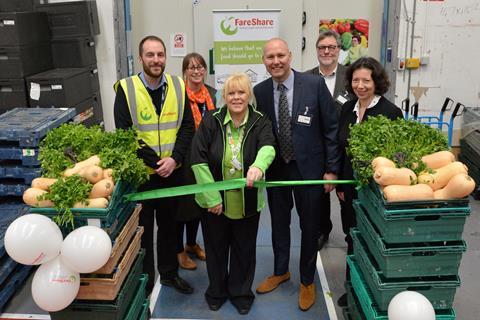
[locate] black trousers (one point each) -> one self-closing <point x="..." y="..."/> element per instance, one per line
<point x="325" y="222"/>
<point x="191" y="228"/>
<point x="230" y="246"/>
<point x="308" y="200"/>
<point x="163" y="211"/>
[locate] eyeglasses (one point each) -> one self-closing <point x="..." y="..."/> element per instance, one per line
<point x="196" y="68"/>
<point x="330" y="48"/>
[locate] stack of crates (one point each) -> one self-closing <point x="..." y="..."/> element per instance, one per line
<point x="470" y="145"/>
<point x="118" y="289"/>
<point x="402" y="246"/>
<point x="73" y="81"/>
<point x="21" y="131"/>
<point x="24" y="50"/>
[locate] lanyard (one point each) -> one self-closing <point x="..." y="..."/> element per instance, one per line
<point x="235" y="148"/>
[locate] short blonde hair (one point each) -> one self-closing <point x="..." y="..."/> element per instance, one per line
<point x="238" y="81"/>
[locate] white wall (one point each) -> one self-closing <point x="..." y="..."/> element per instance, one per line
<point x="448" y="33"/>
<point x="164" y="17"/>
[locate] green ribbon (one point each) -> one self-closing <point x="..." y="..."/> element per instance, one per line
<point x="224" y="185"/>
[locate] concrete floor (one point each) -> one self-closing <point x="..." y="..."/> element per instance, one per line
<point x="283" y="304"/>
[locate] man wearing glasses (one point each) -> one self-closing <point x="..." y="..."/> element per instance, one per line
<point x="328" y="49"/>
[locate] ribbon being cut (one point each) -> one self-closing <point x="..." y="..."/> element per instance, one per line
<point x="224" y="185"/>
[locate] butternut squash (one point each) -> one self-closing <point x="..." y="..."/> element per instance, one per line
<point x="386" y="176"/>
<point x="92" y="203"/>
<point x="108" y="174"/>
<point x="43" y="183"/>
<point x="379" y="162"/>
<point x="92" y="161"/>
<point x="30" y="197"/>
<point x="460" y="186"/>
<point x="408" y="193"/>
<point x="102" y="189"/>
<point x="441" y="176"/>
<point x="92" y="174"/>
<point x="438" y="159"/>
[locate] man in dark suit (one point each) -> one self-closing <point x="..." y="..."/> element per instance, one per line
<point x="305" y="126"/>
<point x="328" y="49"/>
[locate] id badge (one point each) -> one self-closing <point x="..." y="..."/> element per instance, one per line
<point x="305" y="117"/>
<point x="236" y="164"/>
<point x="341" y="99"/>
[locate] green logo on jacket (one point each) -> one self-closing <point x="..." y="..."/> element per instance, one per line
<point x="145" y="115"/>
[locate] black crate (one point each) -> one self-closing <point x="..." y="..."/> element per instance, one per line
<point x="77" y="52"/>
<point x="23" y="28"/>
<point x="12" y="94"/>
<point x="72" y="19"/>
<point x="18" y="5"/>
<point x="59" y="87"/>
<point x="89" y="112"/>
<point x="19" y="61"/>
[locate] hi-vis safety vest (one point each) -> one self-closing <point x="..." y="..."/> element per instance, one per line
<point x="158" y="132"/>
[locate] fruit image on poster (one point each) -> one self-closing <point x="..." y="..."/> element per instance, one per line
<point x="354" y="36"/>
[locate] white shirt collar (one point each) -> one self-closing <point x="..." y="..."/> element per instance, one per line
<point x="331" y="75"/>
<point x="372" y="104"/>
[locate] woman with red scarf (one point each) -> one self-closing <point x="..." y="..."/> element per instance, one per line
<point x="201" y="98"/>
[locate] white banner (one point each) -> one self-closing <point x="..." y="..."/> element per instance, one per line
<point x="239" y="36"/>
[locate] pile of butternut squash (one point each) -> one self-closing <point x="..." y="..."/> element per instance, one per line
<point x="91" y="171"/>
<point x="444" y="179"/>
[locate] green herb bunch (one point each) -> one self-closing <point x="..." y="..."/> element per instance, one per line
<point x="64" y="194"/>
<point x="404" y="142"/>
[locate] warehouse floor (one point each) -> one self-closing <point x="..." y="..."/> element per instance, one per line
<point x="282" y="303"/>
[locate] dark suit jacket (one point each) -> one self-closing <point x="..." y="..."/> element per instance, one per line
<point x="315" y="145"/>
<point x="340" y="83"/>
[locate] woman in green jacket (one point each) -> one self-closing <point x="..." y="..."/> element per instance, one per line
<point x="235" y="141"/>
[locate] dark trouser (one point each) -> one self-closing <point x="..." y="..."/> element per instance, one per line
<point x="307" y="201"/>
<point x="164" y="212"/>
<point x="192" y="229"/>
<point x="349" y="220"/>
<point x="325" y="224"/>
<point x="230" y="246"/>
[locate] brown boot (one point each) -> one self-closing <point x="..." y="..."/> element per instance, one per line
<point x="185" y="261"/>
<point x="272" y="282"/>
<point x="306" y="298"/>
<point x="197" y="251"/>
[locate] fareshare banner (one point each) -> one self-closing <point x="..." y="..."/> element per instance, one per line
<point x="239" y="36"/>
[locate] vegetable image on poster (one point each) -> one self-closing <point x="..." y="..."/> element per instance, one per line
<point x="354" y="36"/>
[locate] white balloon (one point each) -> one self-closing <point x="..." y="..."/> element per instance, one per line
<point x="33" y="239"/>
<point x="86" y="249"/>
<point x="410" y="305"/>
<point x="55" y="285"/>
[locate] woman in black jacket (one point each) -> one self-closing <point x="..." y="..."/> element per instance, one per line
<point x="367" y="79"/>
<point x="235" y="141"/>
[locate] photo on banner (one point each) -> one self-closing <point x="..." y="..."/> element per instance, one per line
<point x="239" y="36"/>
<point x="354" y="35"/>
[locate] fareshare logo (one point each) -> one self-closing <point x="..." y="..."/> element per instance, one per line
<point x="227" y="26"/>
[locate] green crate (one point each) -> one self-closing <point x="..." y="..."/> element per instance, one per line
<point x="144" y="315"/>
<point x="439" y="290"/>
<point x="137" y="302"/>
<point x="369" y="307"/>
<point x="419" y="207"/>
<point x="414" y="225"/>
<point x="410" y="259"/>
<point x="111" y="219"/>
<point x="105" y="310"/>
<point x="354" y="308"/>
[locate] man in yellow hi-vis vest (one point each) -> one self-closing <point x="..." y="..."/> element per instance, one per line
<point x="154" y="104"/>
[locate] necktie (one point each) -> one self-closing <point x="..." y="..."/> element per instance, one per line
<point x="284" y="125"/>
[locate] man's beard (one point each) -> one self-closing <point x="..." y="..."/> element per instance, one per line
<point x="147" y="71"/>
